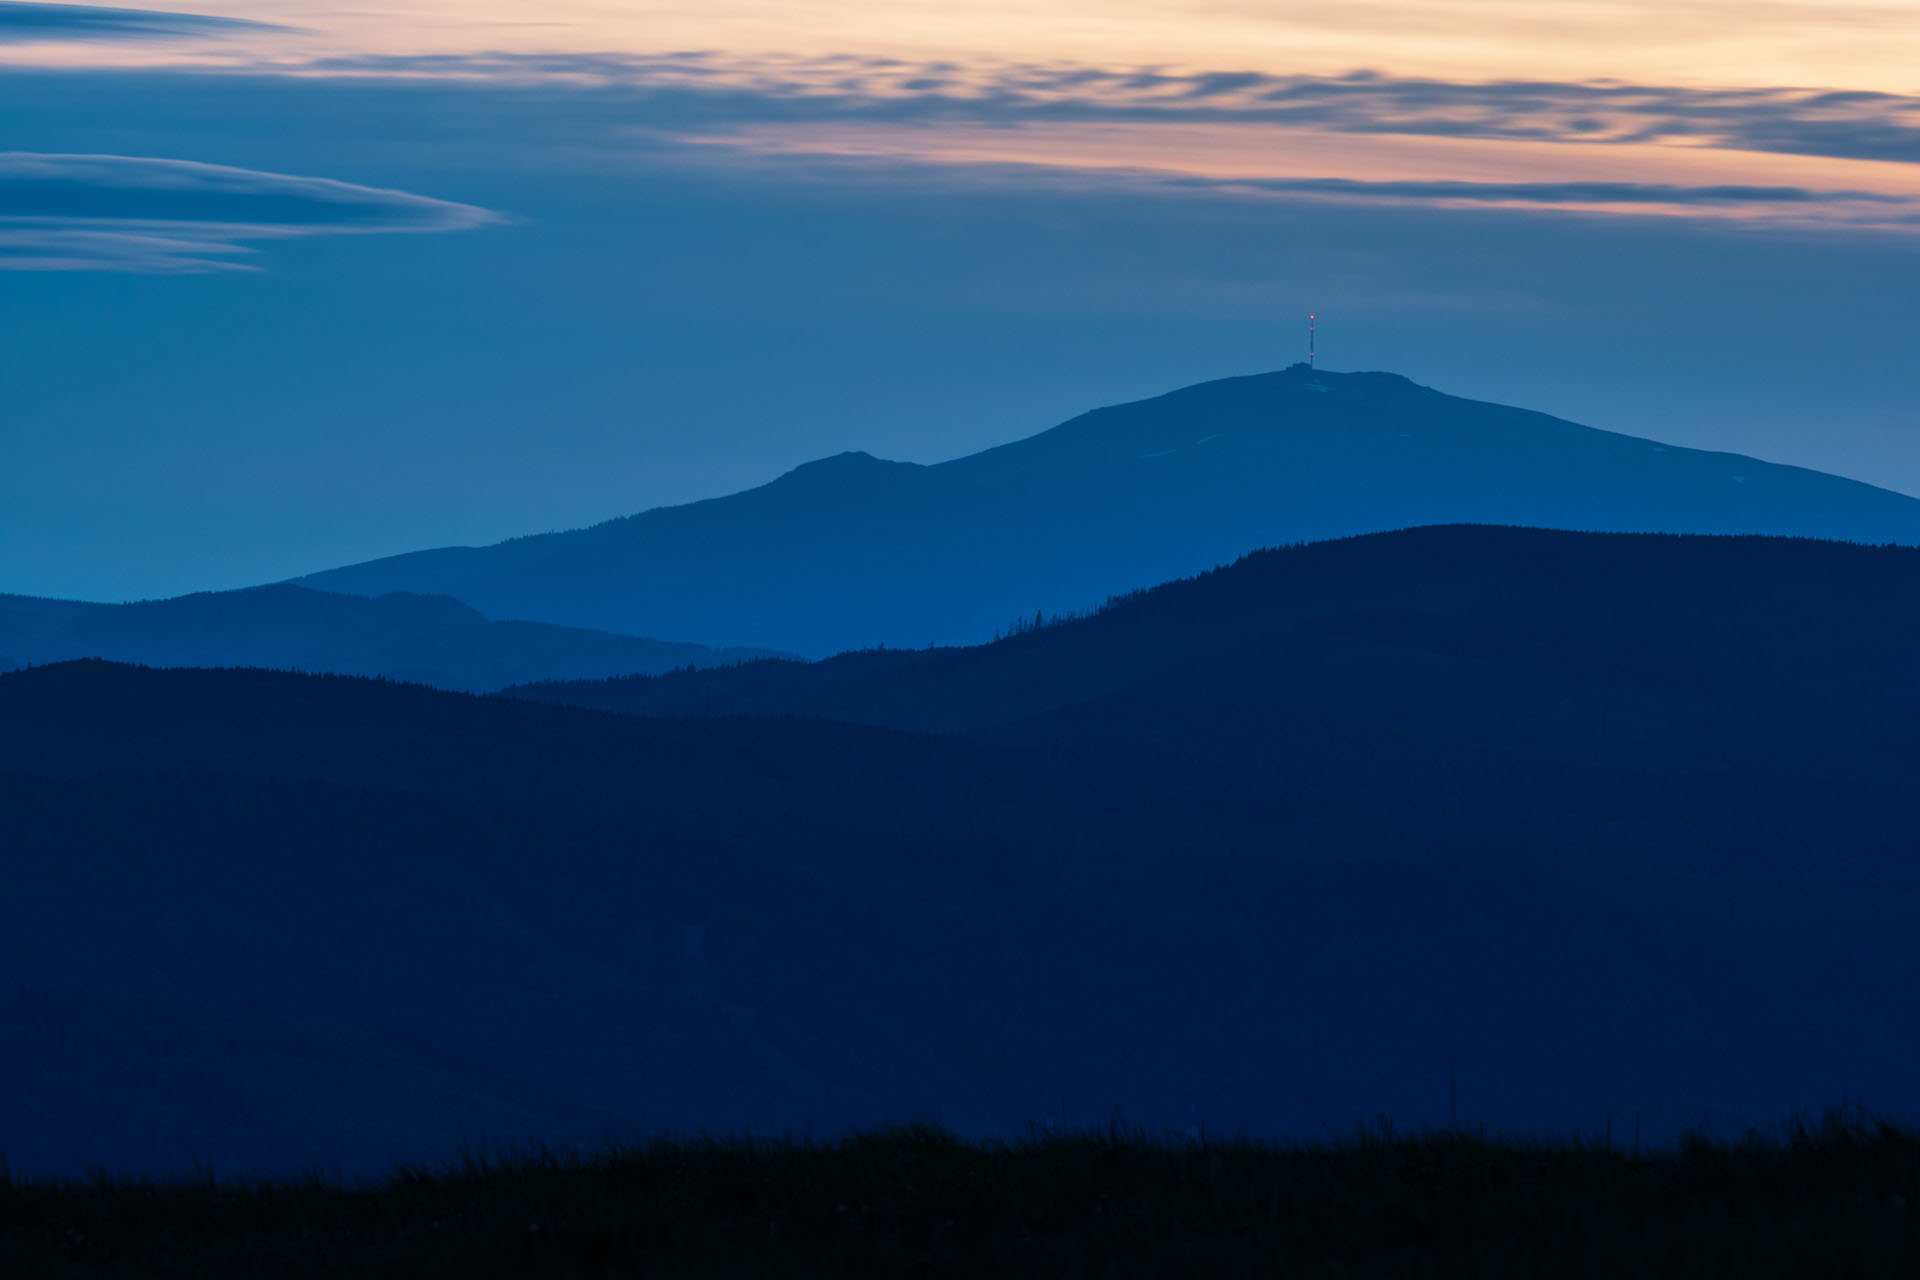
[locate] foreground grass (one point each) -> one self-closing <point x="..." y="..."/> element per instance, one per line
<point x="1834" y="1201"/>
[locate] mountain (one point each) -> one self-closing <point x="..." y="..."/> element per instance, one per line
<point x="1538" y="829"/>
<point x="1424" y="646"/>
<point x="431" y="640"/>
<point x="851" y="551"/>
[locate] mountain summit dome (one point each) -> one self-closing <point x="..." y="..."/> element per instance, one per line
<point x="853" y="551"/>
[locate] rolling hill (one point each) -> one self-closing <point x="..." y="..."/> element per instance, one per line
<point x="1533" y="829"/>
<point x="430" y="640"/>
<point x="1447" y="642"/>
<point x="851" y="551"/>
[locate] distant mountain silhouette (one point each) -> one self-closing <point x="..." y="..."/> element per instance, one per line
<point x="851" y="552"/>
<point x="433" y="640"/>
<point x="1570" y="827"/>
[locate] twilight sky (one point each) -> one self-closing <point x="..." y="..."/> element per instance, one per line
<point x="284" y="286"/>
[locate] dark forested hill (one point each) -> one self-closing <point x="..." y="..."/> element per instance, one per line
<point x="428" y="639"/>
<point x="271" y="920"/>
<point x="1438" y="646"/>
<point x="850" y="552"/>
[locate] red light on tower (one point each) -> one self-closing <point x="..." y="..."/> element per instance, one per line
<point x="1311" y="329"/>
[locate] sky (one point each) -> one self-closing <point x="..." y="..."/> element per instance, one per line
<point x="285" y="286"/>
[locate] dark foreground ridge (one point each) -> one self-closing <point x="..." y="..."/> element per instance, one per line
<point x="1839" y="1200"/>
<point x="1443" y="647"/>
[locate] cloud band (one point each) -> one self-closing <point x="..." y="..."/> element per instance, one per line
<point x="124" y="213"/>
<point x="23" y="23"/>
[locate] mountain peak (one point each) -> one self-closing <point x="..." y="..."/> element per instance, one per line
<point x="852" y="550"/>
<point x="1301" y="371"/>
<point x="852" y="462"/>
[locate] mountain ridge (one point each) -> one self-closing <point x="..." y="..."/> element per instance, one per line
<point x="1675" y="636"/>
<point x="851" y="551"/>
<point x="1594" y="824"/>
<point x="428" y="639"/>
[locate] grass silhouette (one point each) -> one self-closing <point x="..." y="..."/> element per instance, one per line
<point x="1834" y="1199"/>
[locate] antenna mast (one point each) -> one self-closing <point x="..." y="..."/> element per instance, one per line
<point x="1310" y="332"/>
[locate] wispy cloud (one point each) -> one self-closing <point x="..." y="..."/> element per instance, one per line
<point x="1773" y="205"/>
<point x="1791" y="157"/>
<point x="708" y="87"/>
<point x="1780" y="157"/>
<point x="1575" y="193"/>
<point x="122" y="213"/>
<point x="37" y="22"/>
<point x="1805" y="206"/>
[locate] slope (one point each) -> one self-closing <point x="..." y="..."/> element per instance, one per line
<point x="431" y="640"/>
<point x="850" y="551"/>
<point x="1448" y="643"/>
<point x="271" y="921"/>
